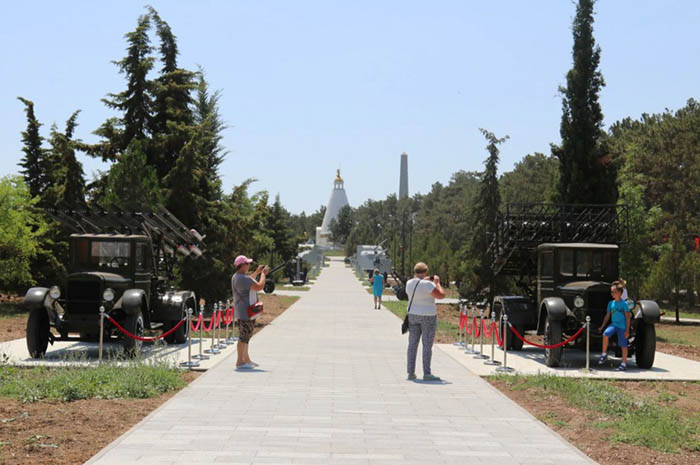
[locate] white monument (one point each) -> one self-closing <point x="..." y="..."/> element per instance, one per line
<point x="337" y="201"/>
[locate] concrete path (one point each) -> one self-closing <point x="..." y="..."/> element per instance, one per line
<point x="331" y="389"/>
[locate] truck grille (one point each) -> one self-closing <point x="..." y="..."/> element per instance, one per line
<point x="597" y="305"/>
<point x="83" y="296"/>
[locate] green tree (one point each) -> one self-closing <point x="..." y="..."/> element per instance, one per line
<point x="68" y="181"/>
<point x="342" y="225"/>
<point x="278" y="228"/>
<point x="21" y="228"/>
<point x="485" y="215"/>
<point x="533" y="180"/>
<point x="586" y="176"/>
<point x="132" y="183"/>
<point x="34" y="162"/>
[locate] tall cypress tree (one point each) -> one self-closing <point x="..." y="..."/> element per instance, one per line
<point x="172" y="123"/>
<point x="135" y="102"/>
<point x="34" y="162"/>
<point x="485" y="215"/>
<point x="211" y="125"/>
<point x="68" y="181"/>
<point x="586" y="174"/>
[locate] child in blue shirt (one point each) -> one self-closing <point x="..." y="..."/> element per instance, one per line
<point x="377" y="281"/>
<point x="619" y="312"/>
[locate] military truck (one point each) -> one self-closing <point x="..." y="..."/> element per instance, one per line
<point x="564" y="259"/>
<point x="122" y="261"/>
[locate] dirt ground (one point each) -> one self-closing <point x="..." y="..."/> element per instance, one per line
<point x="576" y="425"/>
<point x="69" y="433"/>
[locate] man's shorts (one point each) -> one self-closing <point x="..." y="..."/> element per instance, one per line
<point x="621" y="339"/>
<point x="245" y="330"/>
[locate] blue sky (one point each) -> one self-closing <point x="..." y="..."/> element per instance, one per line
<point x="309" y="86"/>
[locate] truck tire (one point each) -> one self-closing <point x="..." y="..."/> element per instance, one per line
<point x="515" y="343"/>
<point x="269" y="287"/>
<point x="37" y="332"/>
<point x="552" y="335"/>
<point x="179" y="336"/>
<point x="133" y="324"/>
<point x="645" y="343"/>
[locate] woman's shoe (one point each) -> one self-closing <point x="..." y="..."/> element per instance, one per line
<point x="431" y="378"/>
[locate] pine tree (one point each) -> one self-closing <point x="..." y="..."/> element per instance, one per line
<point x="34" y="162"/>
<point x="68" y="181"/>
<point x="135" y="102"/>
<point x="485" y="215"/>
<point x="131" y="182"/>
<point x="172" y="124"/>
<point x="278" y="228"/>
<point x="586" y="176"/>
<point x="208" y="118"/>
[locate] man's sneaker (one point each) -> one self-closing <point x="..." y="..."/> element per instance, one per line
<point x="431" y="378"/>
<point x="622" y="367"/>
<point x="603" y="359"/>
<point x="411" y="377"/>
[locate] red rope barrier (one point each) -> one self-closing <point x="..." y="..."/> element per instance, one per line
<point x="554" y="346"/>
<point x="468" y="329"/>
<point x="141" y="338"/>
<point x="211" y="323"/>
<point x="475" y="328"/>
<point x="461" y="321"/>
<point x="499" y="339"/>
<point x="485" y="329"/>
<point x="230" y="316"/>
<point x="219" y="318"/>
<point x="199" y="323"/>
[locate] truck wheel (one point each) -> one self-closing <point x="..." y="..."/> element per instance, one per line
<point x="133" y="324"/>
<point x="269" y="287"/>
<point x="552" y="335"/>
<point x="179" y="336"/>
<point x="515" y="342"/>
<point x="37" y="332"/>
<point x="645" y="345"/>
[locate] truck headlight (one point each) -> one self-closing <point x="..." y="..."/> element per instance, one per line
<point x="578" y="301"/>
<point x="108" y="295"/>
<point x="55" y="292"/>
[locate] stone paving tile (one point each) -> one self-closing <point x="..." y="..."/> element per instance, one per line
<point x="331" y="389"/>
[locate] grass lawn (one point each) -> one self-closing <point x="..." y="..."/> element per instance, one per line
<point x="615" y="422"/>
<point x="334" y="253"/>
<point x="671" y="313"/>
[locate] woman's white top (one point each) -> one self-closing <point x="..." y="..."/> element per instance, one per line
<point x="423" y="301"/>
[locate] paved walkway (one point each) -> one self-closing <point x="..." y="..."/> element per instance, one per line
<point x="332" y="390"/>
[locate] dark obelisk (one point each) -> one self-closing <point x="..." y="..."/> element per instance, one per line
<point x="403" y="180"/>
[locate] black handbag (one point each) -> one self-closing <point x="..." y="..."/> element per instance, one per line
<point x="404" y="325"/>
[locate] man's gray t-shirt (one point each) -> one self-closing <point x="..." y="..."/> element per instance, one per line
<point x="240" y="285"/>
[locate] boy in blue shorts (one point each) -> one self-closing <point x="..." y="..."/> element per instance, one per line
<point x="620" y="314"/>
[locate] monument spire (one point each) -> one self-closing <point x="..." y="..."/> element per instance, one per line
<point x="403" y="180"/>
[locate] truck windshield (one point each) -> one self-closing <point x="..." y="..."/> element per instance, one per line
<point x="112" y="255"/>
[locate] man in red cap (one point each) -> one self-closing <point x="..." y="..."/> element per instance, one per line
<point x="243" y="285"/>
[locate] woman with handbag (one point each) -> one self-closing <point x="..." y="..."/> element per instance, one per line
<point x="422" y="318"/>
<point x="243" y="285"/>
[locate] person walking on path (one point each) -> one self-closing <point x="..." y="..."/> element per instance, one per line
<point x="620" y="313"/>
<point x="377" y="281"/>
<point x="422" y="318"/>
<point x="242" y="285"/>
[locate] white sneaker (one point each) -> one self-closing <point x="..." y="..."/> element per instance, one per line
<point x="245" y="366"/>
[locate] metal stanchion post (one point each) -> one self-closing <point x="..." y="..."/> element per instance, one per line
<point x="505" y="367"/>
<point x="213" y="349"/>
<point x="493" y="360"/>
<point x="470" y="320"/>
<point x="480" y="354"/>
<point x="200" y="356"/>
<point x="102" y="329"/>
<point x="189" y="363"/>
<point x="459" y="327"/>
<point x="232" y="339"/>
<point x="217" y="331"/>
<point x="466" y="320"/>
<point x="588" y="343"/>
<point x="223" y="343"/>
